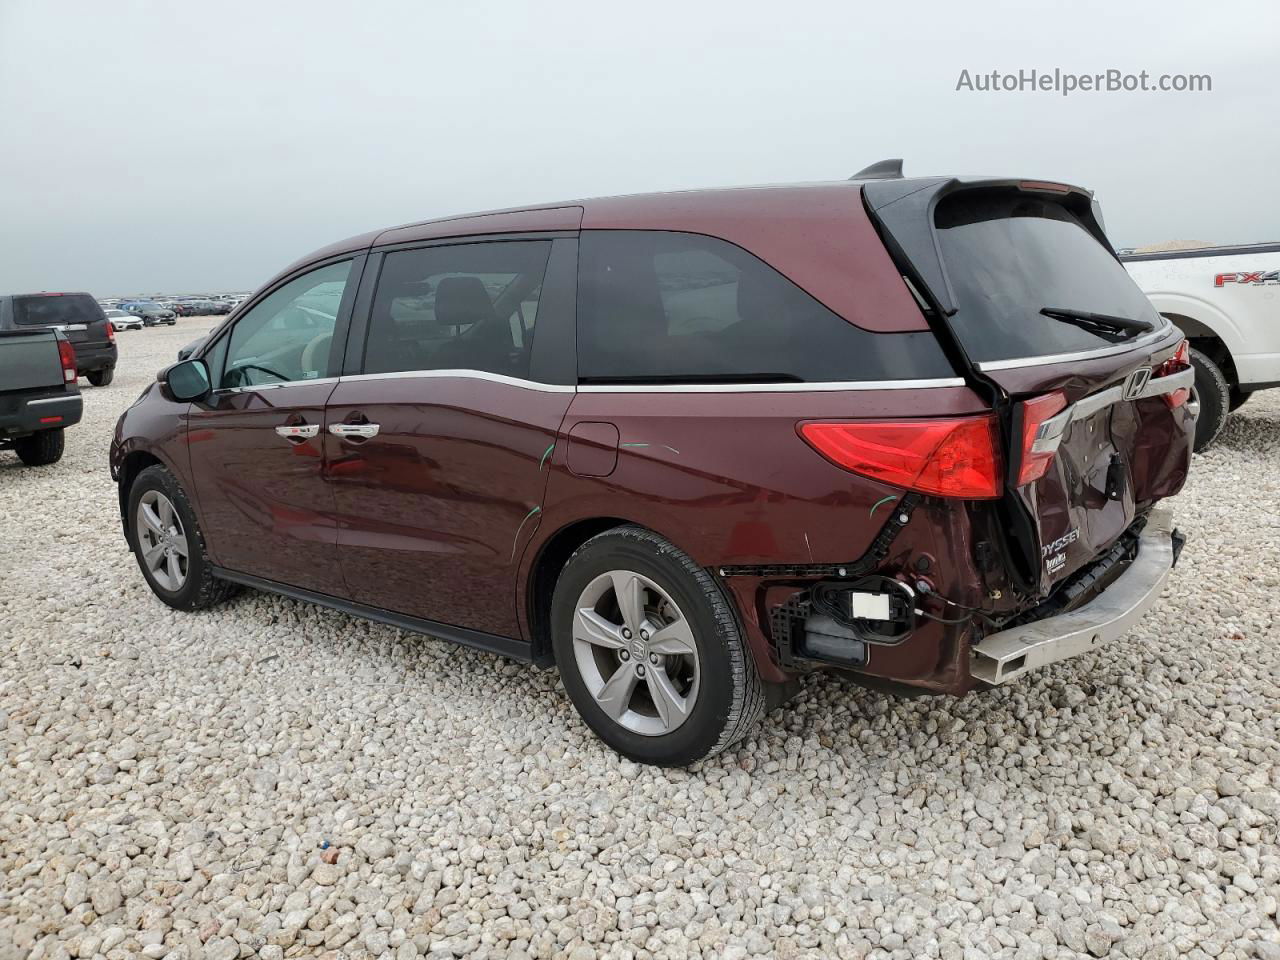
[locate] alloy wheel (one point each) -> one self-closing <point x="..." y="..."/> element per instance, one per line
<point x="636" y="653"/>
<point x="161" y="540"/>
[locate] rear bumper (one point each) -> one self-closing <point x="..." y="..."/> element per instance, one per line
<point x="1006" y="655"/>
<point x="19" y="417"/>
<point x="95" y="356"/>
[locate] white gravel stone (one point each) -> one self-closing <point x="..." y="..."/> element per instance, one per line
<point x="170" y="779"/>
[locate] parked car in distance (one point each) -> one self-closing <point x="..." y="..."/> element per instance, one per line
<point x="689" y="447"/>
<point x="39" y="397"/>
<point x="79" y="317"/>
<point x="1224" y="300"/>
<point x="151" y="314"/>
<point x="120" y="320"/>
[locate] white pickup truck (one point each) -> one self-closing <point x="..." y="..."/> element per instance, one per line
<point x="1227" y="301"/>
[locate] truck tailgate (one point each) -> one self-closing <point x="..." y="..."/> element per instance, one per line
<point x="29" y="360"/>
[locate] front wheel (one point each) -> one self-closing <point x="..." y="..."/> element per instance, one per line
<point x="168" y="544"/>
<point x="650" y="651"/>
<point x="40" y="448"/>
<point x="100" y="378"/>
<point x="1214" y="396"/>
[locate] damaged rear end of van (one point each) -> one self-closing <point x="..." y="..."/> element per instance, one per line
<point x="1035" y="531"/>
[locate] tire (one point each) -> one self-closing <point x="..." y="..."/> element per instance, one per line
<point x="40" y="448"/>
<point x="100" y="378"/>
<point x="1238" y="399"/>
<point x="704" y="661"/>
<point x="193" y="587"/>
<point x="1214" y="395"/>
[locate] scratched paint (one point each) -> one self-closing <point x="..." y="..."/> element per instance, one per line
<point x="516" y="540"/>
<point x="879" y="503"/>
<point x="665" y="446"/>
<point x="546" y="453"/>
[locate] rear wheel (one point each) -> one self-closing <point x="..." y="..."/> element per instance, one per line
<point x="1213" y="394"/>
<point x="169" y="545"/>
<point x="650" y="651"/>
<point x="40" y="448"/>
<point x="100" y="378"/>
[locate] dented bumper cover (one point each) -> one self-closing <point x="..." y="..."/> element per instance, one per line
<point x="1006" y="655"/>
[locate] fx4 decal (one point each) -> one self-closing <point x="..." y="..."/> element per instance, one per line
<point x="1256" y="277"/>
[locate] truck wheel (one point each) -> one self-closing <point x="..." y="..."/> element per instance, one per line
<point x="100" y="378"/>
<point x="40" y="448"/>
<point x="168" y="544"/>
<point x="650" y="651"/>
<point x="1239" y="398"/>
<point x="1214" y="396"/>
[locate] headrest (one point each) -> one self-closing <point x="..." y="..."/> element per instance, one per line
<point x="462" y="300"/>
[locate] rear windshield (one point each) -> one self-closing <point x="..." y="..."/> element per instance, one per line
<point x="665" y="307"/>
<point x="58" y="310"/>
<point x="1008" y="256"/>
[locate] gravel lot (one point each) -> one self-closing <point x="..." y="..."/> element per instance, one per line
<point x="170" y="781"/>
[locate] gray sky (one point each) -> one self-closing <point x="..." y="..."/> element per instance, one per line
<point x="202" y="146"/>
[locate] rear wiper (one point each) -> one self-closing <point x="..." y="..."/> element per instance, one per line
<point x="1104" y="325"/>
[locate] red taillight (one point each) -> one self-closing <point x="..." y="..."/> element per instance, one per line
<point x="67" y="354"/>
<point x="1036" y="457"/>
<point x="50" y="419"/>
<point x="1180" y="361"/>
<point x="950" y="456"/>
<point x="111" y="331"/>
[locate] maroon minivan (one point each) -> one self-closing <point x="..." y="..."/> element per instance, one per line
<point x="688" y="447"/>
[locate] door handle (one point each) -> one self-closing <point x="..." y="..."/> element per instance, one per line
<point x="361" y="431"/>
<point x="298" y="431"/>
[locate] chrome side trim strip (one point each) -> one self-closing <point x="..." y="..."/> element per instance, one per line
<point x="462" y="375"/>
<point x="989" y="365"/>
<point x="771" y="387"/>
<point x="67" y="399"/>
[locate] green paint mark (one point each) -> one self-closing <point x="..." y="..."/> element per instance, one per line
<point x="665" y="446"/>
<point x="516" y="541"/>
<point x="634" y="444"/>
<point x="545" y="454"/>
<point x="879" y="503"/>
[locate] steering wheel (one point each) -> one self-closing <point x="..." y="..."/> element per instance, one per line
<point x="257" y="366"/>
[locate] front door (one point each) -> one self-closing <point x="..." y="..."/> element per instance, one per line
<point x="443" y="438"/>
<point x="258" y="444"/>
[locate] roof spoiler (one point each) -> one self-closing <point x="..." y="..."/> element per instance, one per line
<point x="882" y="170"/>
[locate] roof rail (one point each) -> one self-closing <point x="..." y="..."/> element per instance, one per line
<point x="883" y="170"/>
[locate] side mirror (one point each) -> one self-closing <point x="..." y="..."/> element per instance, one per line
<point x="186" y="381"/>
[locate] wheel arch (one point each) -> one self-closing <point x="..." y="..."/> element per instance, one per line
<point x="132" y="464"/>
<point x="549" y="560"/>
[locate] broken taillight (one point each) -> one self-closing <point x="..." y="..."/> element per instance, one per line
<point x="67" y="354"/>
<point x="1037" y="451"/>
<point x="946" y="456"/>
<point x="1176" y="364"/>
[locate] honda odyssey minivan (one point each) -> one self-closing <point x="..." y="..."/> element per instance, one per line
<point x="689" y="447"/>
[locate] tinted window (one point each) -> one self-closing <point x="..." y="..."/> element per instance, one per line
<point x="669" y="307"/>
<point x="289" y="334"/>
<point x="1008" y="255"/>
<point x="56" y="310"/>
<point x="466" y="307"/>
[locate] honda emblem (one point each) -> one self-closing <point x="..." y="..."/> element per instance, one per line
<point x="1136" y="382"/>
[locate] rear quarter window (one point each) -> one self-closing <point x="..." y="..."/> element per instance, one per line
<point x="668" y="307"/>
